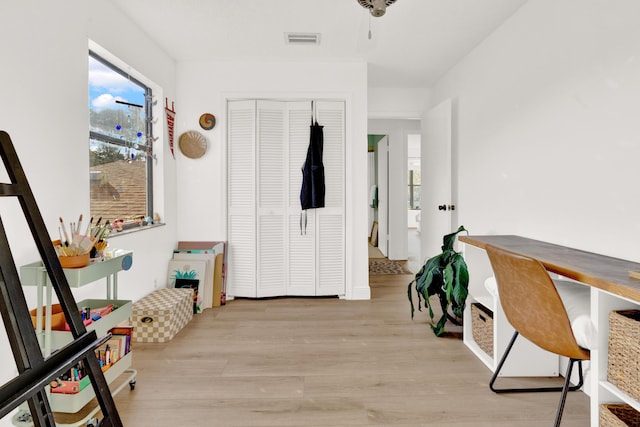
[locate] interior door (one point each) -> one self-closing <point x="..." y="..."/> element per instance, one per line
<point x="273" y="253"/>
<point x="271" y="198"/>
<point x="383" y="195"/>
<point x="241" y="196"/>
<point x="436" y="204"/>
<point x="302" y="236"/>
<point x="330" y="220"/>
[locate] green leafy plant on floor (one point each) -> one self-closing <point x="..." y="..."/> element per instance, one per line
<point x="445" y="275"/>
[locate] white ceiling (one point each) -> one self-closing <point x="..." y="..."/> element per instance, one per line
<point x="412" y="45"/>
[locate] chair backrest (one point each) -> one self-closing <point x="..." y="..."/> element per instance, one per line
<point x="532" y="304"/>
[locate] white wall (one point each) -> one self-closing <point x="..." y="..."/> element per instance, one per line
<point x="398" y="132"/>
<point x="44" y="108"/>
<point x="204" y="86"/>
<point x="546" y="130"/>
<point x="396" y="103"/>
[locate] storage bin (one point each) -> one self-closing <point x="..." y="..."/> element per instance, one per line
<point x="58" y="319"/>
<point x="623" y="369"/>
<point x="618" y="415"/>
<point x="482" y="327"/>
<point x="159" y="316"/>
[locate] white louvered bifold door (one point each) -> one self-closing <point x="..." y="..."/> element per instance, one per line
<point x="302" y="247"/>
<point x="270" y="252"/>
<point x="241" y="199"/>
<point x="330" y="220"/>
<point x="270" y="203"/>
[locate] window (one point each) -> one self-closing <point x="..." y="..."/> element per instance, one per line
<point x="414" y="187"/>
<point x="413" y="166"/>
<point x="120" y="143"/>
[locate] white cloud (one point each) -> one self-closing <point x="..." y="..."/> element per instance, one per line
<point x="102" y="77"/>
<point x="110" y="81"/>
<point x="106" y="86"/>
<point x="106" y="100"/>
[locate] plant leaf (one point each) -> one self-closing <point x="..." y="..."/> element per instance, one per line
<point x="447" y="282"/>
<point x="461" y="276"/>
<point x="425" y="275"/>
<point x="427" y="303"/>
<point x="410" y="296"/>
<point x="449" y="239"/>
<point x="438" y="329"/>
<point x="460" y="285"/>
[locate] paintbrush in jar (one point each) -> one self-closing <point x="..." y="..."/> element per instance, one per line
<point x="64" y="229"/>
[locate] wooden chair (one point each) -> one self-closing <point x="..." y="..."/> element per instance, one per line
<point x="533" y="306"/>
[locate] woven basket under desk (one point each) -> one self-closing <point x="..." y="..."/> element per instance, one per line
<point x="623" y="369"/>
<point x="618" y="415"/>
<point x="482" y="327"/>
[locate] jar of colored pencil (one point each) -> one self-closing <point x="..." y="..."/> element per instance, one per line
<point x="98" y="249"/>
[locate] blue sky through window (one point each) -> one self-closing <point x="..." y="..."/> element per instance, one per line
<point x="106" y="86"/>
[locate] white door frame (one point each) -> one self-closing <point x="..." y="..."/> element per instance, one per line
<point x="383" y="195"/>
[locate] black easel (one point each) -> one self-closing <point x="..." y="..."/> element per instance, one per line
<point x="36" y="371"/>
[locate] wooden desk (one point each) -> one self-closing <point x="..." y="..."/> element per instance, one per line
<point x="611" y="289"/>
<point x="606" y="273"/>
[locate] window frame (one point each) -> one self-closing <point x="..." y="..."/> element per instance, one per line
<point x="149" y="119"/>
<point x="412" y="187"/>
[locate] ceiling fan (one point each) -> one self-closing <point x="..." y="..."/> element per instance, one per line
<point x="376" y="7"/>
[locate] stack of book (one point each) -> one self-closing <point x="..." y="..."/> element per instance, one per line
<point x="75" y="380"/>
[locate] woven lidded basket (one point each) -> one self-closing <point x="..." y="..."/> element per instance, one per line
<point x="482" y="327"/>
<point x="624" y="351"/>
<point x="618" y="415"/>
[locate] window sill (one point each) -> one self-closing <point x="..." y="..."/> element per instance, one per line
<point x="134" y="229"/>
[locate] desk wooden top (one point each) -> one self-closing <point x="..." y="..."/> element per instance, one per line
<point x="603" y="272"/>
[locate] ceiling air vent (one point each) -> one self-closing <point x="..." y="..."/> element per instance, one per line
<point x="302" y="38"/>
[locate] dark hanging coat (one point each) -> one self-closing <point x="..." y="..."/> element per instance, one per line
<point x="312" y="192"/>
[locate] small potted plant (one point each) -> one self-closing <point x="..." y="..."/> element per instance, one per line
<point x="446" y="276"/>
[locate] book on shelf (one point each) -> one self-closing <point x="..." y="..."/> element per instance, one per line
<point x="123" y="333"/>
<point x="76" y="379"/>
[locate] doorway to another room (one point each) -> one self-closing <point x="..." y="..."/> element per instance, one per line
<point x="395" y="192"/>
<point x="375" y="196"/>
<point x="414" y="192"/>
<point x="416" y="212"/>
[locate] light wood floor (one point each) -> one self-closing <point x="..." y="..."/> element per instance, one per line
<point x="324" y="362"/>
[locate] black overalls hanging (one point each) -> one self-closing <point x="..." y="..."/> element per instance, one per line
<point x="313" y="188"/>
